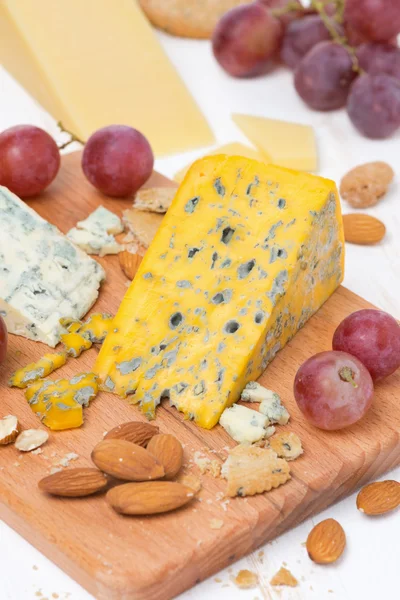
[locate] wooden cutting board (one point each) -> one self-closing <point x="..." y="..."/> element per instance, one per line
<point x="155" y="558"/>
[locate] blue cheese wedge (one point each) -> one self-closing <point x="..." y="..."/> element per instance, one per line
<point x="270" y="403"/>
<point x="99" y="242"/>
<point x="244" y="424"/>
<point x="43" y="275"/>
<point x="102" y="220"/>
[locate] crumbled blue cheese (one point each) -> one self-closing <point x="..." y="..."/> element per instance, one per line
<point x="43" y="275"/>
<point x="270" y="403"/>
<point x="99" y="242"/>
<point x="244" y="424"/>
<point x="101" y="220"/>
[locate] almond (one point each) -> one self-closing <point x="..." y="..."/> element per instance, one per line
<point x="130" y="263"/>
<point x="379" y="498"/>
<point x="74" y="483"/>
<point x="133" y="431"/>
<point x="9" y="430"/>
<point x="363" y="229"/>
<point x="30" y="439"/>
<point x="168" y="451"/>
<point x="148" y="498"/>
<point x="127" y="461"/>
<point x="326" y="542"/>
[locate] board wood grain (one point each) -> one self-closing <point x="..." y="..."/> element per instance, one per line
<point x="155" y="558"/>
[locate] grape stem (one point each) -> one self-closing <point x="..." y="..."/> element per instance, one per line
<point x="346" y="374"/>
<point x="73" y="137"/>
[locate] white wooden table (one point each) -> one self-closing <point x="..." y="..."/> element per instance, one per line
<point x="369" y="568"/>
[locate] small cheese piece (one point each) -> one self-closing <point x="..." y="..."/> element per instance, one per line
<point x="287" y="445"/>
<point x="112" y="69"/>
<point x="244" y="256"/>
<point x="102" y="220"/>
<point x="43" y="367"/>
<point x="75" y="343"/>
<point x="99" y="242"/>
<point x="59" y="403"/>
<point x="97" y="327"/>
<point x="43" y="276"/>
<point x="231" y="149"/>
<point x="70" y="324"/>
<point x="243" y="424"/>
<point x="286" y="144"/>
<point x="271" y="405"/>
<point x="250" y="470"/>
<point x="156" y="200"/>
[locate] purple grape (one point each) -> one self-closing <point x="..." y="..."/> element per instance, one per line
<point x="300" y="36"/>
<point x="373" y="336"/>
<point x="324" y="76"/>
<point x="374" y="105"/>
<point x="375" y="20"/>
<point x="333" y="390"/>
<point x="379" y="58"/>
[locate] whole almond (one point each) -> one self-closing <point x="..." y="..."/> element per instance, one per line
<point x="363" y="229"/>
<point x="326" y="542"/>
<point x="130" y="263"/>
<point x="133" y="431"/>
<point x="366" y="184"/>
<point x="379" y="498"/>
<point x="127" y="461"/>
<point x="168" y="451"/>
<point x="149" y="498"/>
<point x="74" y="483"/>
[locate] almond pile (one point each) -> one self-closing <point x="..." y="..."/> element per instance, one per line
<point x="133" y="452"/>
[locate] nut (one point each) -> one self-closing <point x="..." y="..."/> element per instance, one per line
<point x="130" y="263"/>
<point x="326" y="542"/>
<point x="127" y="461"/>
<point x="148" y="498"/>
<point x="363" y="229"/>
<point x="9" y="429"/>
<point x="365" y="185"/>
<point x="30" y="439"/>
<point x="133" y="431"/>
<point x="379" y="498"/>
<point x="74" y="483"/>
<point x="168" y="451"/>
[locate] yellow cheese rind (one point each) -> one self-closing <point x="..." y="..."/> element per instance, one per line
<point x="96" y="327"/>
<point x="34" y="371"/>
<point x="245" y="255"/>
<point x="231" y="149"/>
<point x="99" y="63"/>
<point x="290" y="145"/>
<point x="75" y="343"/>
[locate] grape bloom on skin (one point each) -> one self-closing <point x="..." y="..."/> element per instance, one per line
<point x="333" y="390"/>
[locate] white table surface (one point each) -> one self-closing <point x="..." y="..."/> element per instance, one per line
<point x="369" y="568"/>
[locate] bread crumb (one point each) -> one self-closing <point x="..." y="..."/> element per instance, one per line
<point x="54" y="595"/>
<point x="35" y="567"/>
<point x="216" y="523"/>
<point x="55" y="470"/>
<point x="217" y="580"/>
<point x="284" y="577"/>
<point x="37" y="451"/>
<point x="246" y="579"/>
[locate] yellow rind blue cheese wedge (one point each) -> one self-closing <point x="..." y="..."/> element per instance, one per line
<point x="244" y="257"/>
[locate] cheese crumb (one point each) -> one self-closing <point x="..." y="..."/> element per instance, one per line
<point x="284" y="577"/>
<point x="216" y="523"/>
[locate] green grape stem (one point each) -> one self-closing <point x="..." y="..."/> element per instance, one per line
<point x="346" y="374"/>
<point x="73" y="137"/>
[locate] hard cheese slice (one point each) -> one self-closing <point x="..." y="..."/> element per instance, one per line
<point x="286" y="144"/>
<point x="245" y="255"/>
<point x="231" y="149"/>
<point x="43" y="276"/>
<point x="99" y="63"/>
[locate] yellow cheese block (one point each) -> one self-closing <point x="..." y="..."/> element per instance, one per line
<point x="232" y="149"/>
<point x="245" y="255"/>
<point x="286" y="144"/>
<point x="92" y="63"/>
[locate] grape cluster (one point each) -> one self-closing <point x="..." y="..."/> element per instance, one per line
<point x="342" y="52"/>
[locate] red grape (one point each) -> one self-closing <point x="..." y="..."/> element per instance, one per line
<point x="300" y="36"/>
<point x="376" y="20"/>
<point x="333" y="390"/>
<point x="246" y="40"/>
<point x="323" y="77"/>
<point x="117" y="160"/>
<point x="285" y="17"/>
<point x="29" y="160"/>
<point x="3" y="340"/>
<point x="373" y="105"/>
<point x="379" y="58"/>
<point x="373" y="336"/>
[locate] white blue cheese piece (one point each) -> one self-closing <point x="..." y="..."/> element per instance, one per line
<point x="244" y="424"/>
<point x="270" y="403"/>
<point x="100" y="242"/>
<point x="102" y="219"/>
<point x="43" y="275"/>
